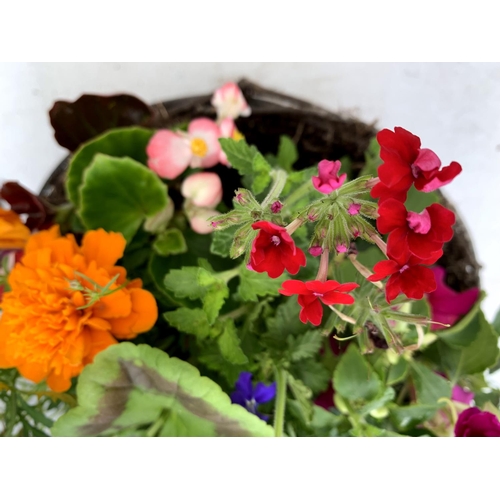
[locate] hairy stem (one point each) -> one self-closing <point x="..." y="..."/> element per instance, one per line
<point x="279" y="178"/>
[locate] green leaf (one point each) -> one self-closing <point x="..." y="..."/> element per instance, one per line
<point x="430" y="387"/>
<point x="131" y="388"/>
<point x="313" y="373"/>
<point x="407" y="417"/>
<point x="120" y="142"/>
<point x="118" y="194"/>
<point x="306" y="345"/>
<point x="372" y="159"/>
<point x="287" y="153"/>
<point x="387" y="396"/>
<point x="254" y="285"/>
<point x="261" y="174"/>
<point x="496" y="322"/>
<point x="302" y="395"/>
<point x="479" y="355"/>
<point x="198" y="283"/>
<point x="222" y="241"/>
<point x="465" y="331"/>
<point x="417" y="201"/>
<point x="397" y="372"/>
<point x="193" y="321"/>
<point x="229" y="344"/>
<point x="239" y="154"/>
<point x="354" y="378"/>
<point x="170" y="242"/>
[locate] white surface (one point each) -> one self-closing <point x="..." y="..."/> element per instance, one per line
<point x="454" y="108"/>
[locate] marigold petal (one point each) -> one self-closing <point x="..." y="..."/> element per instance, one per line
<point x="142" y="318"/>
<point x="102" y="247"/>
<point x="58" y="382"/>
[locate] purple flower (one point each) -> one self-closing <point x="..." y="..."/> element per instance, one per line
<point x="447" y="306"/>
<point x="476" y="423"/>
<point x="462" y="395"/>
<point x="250" y="397"/>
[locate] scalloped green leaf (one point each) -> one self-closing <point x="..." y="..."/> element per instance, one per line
<point x="118" y="194"/>
<point x="120" y="142"/>
<point x="141" y="391"/>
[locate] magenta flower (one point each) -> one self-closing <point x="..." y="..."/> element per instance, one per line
<point x="462" y="395"/>
<point x="447" y="305"/>
<point x="328" y="179"/>
<point x="476" y="423"/>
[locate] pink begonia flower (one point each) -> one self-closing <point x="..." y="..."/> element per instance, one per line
<point x="447" y="305"/>
<point x="230" y="102"/>
<point x="328" y="179"/>
<point x="204" y="189"/>
<point x="170" y="153"/>
<point x="198" y="220"/>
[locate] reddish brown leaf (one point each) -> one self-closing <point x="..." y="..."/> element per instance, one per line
<point x="77" y="122"/>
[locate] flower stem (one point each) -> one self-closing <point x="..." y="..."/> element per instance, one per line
<point x="279" y="177"/>
<point x="279" y="409"/>
<point x="229" y="275"/>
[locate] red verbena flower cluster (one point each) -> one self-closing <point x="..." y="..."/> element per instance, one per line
<point x="415" y="239"/>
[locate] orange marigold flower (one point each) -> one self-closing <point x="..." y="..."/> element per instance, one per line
<point x="13" y="233"/>
<point x="44" y="330"/>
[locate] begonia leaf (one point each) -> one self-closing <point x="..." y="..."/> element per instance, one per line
<point x="170" y="242"/>
<point x="130" y="142"/>
<point x="142" y="391"/>
<point x="429" y="386"/>
<point x="354" y="378"/>
<point x="90" y="115"/>
<point x="24" y="202"/>
<point x="118" y="194"/>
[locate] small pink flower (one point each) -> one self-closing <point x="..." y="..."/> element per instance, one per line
<point x="204" y="189"/>
<point x="276" y="207"/>
<point x="328" y="179"/>
<point x="354" y="209"/>
<point x="229" y="102"/>
<point x="198" y="220"/>
<point x="170" y="153"/>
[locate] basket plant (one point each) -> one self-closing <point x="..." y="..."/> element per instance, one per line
<point x="174" y="279"/>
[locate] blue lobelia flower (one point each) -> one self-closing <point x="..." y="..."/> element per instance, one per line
<point x="250" y="397"/>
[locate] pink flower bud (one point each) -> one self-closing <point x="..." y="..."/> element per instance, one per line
<point x="316" y="250"/>
<point x="203" y="189"/>
<point x="276" y="207"/>
<point x="341" y="248"/>
<point x="354" y="209"/>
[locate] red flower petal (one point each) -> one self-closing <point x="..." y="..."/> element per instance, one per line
<point x="383" y="269"/>
<point x="392" y="215"/>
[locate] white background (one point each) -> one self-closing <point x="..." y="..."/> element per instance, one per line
<point x="453" y="107"/>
